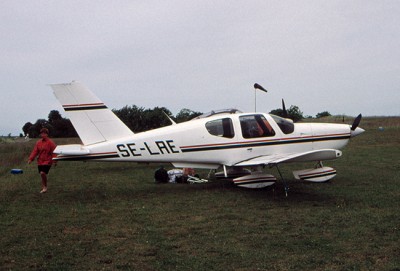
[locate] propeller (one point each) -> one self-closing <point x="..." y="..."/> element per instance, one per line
<point x="258" y="86"/>
<point x="355" y="130"/>
<point x="356" y="122"/>
<point x="284" y="111"/>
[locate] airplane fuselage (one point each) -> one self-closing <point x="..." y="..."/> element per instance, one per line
<point x="222" y="139"/>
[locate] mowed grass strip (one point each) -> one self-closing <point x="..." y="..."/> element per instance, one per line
<point x="111" y="216"/>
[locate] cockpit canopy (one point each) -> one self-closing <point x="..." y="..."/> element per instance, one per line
<point x="252" y="126"/>
<point x="220" y="111"/>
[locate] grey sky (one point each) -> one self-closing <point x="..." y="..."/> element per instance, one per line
<point x="339" y="56"/>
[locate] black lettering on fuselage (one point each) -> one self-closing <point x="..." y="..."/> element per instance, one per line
<point x="122" y="150"/>
<point x="144" y="148"/>
<point x="149" y="150"/>
<point x="132" y="149"/>
<point x="162" y="146"/>
<point x="171" y="146"/>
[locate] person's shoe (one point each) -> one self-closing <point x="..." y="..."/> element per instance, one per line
<point x="44" y="190"/>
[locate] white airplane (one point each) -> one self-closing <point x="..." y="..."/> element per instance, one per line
<point x="241" y="143"/>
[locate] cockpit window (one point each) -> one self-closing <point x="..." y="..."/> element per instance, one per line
<point x="286" y="125"/>
<point x="221" y="127"/>
<point x="255" y="126"/>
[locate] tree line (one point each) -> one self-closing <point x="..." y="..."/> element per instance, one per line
<point x="57" y="125"/>
<point x="138" y="119"/>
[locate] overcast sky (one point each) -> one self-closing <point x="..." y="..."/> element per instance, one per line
<point x="336" y="56"/>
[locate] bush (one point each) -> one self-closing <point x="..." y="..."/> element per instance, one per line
<point x="323" y="114"/>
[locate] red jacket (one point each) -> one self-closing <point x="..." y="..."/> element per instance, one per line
<point x="44" y="151"/>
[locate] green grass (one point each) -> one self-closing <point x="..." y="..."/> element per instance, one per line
<point x="111" y="216"/>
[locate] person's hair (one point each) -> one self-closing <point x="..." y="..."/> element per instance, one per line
<point x="44" y="130"/>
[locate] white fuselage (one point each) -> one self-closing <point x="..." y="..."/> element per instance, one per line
<point x="217" y="140"/>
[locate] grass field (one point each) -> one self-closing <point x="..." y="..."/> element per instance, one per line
<point x="111" y="216"/>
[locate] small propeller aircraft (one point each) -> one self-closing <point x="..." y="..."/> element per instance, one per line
<point x="243" y="144"/>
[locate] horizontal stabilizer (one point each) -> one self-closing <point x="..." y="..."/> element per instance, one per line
<point x="73" y="149"/>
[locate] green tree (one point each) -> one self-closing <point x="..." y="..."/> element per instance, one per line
<point x="186" y="114"/>
<point x="26" y="128"/>
<point x="54" y="115"/>
<point x="34" y="130"/>
<point x="62" y="128"/>
<point x="57" y="125"/>
<point x="323" y="114"/>
<point x="139" y="119"/>
<point x="132" y="116"/>
<point x="277" y="112"/>
<point x="156" y="118"/>
<point x="293" y="113"/>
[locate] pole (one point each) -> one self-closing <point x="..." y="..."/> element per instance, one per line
<point x="257" y="86"/>
<point x="255" y="100"/>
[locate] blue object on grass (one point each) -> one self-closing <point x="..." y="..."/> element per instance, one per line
<point x="17" y="171"/>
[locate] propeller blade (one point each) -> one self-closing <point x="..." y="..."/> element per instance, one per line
<point x="285" y="113"/>
<point x="356" y="122"/>
<point x="257" y="86"/>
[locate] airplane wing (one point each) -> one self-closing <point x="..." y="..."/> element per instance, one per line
<point x="316" y="155"/>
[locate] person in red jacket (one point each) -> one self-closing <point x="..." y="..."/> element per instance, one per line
<point x="43" y="150"/>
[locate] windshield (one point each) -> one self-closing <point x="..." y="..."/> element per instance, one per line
<point x="286" y="125"/>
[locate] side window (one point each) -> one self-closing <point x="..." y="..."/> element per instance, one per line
<point x="255" y="126"/>
<point x="221" y="127"/>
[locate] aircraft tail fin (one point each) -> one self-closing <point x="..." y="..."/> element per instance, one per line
<point x="91" y="118"/>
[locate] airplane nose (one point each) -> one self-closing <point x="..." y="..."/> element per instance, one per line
<point x="356" y="132"/>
